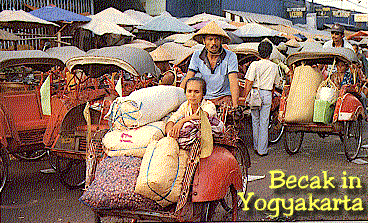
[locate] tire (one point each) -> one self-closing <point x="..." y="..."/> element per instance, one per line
<point x="275" y="128"/>
<point x="30" y="155"/>
<point x="293" y="142"/>
<point x="71" y="172"/>
<point x="4" y="165"/>
<point x="352" y="138"/>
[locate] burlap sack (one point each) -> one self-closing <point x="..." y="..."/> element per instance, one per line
<point x="133" y="142"/>
<point x="303" y="89"/>
<point x="162" y="172"/>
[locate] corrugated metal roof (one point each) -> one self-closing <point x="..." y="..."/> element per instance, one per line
<point x="260" y="18"/>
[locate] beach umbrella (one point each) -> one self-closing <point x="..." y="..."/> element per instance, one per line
<point x="55" y="14"/>
<point x="115" y="16"/>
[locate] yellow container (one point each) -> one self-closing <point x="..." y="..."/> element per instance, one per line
<point x="323" y="111"/>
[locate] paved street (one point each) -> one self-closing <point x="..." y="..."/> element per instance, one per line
<point x="32" y="196"/>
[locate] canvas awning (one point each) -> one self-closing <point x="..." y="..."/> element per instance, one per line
<point x="55" y="14"/>
<point x="115" y="16"/>
<point x="22" y="19"/>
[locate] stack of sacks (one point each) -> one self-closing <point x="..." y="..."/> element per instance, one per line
<point x="162" y="172"/>
<point x="303" y="90"/>
<point x="136" y="119"/>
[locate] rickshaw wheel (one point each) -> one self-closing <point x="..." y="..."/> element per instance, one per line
<point x="230" y="203"/>
<point x="4" y="163"/>
<point x="352" y="138"/>
<point x="30" y="155"/>
<point x="275" y="128"/>
<point x="71" y="172"/>
<point x="293" y="142"/>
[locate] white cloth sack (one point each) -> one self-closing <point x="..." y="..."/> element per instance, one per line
<point x="145" y="105"/>
<point x="162" y="172"/>
<point x="132" y="142"/>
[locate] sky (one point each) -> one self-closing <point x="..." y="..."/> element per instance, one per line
<point x="354" y="5"/>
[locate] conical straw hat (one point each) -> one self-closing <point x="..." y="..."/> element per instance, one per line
<point x="160" y="54"/>
<point x="211" y="29"/>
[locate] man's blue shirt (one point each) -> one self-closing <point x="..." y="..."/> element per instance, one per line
<point x="217" y="79"/>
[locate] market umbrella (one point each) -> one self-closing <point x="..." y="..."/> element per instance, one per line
<point x="101" y="27"/>
<point x="21" y="19"/>
<point x="55" y="14"/>
<point x="222" y="24"/>
<point x="115" y="16"/>
<point x="5" y="35"/>
<point x="205" y="17"/>
<point x="138" y="16"/>
<point x="167" y="23"/>
<point x="255" y="30"/>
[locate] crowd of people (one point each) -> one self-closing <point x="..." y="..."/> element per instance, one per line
<point x="212" y="78"/>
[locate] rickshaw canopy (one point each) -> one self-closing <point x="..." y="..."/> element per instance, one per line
<point x="133" y="60"/>
<point x="29" y="58"/>
<point x="313" y="52"/>
<point x="65" y="53"/>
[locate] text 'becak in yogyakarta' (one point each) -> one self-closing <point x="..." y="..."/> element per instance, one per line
<point x="311" y="203"/>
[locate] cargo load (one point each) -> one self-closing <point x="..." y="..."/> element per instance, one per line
<point x="144" y="106"/>
<point x="303" y="89"/>
<point x="133" y="142"/>
<point x="162" y="172"/>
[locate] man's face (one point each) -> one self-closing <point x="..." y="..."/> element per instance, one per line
<point x="212" y="43"/>
<point x="336" y="36"/>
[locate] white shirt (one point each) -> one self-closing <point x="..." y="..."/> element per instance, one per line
<point x="267" y="71"/>
<point x="346" y="44"/>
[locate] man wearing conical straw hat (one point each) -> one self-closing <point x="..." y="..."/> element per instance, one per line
<point x="216" y="65"/>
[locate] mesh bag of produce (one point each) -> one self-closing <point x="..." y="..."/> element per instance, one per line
<point x="114" y="185"/>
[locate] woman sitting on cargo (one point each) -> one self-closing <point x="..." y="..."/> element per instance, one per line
<point x="195" y="89"/>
